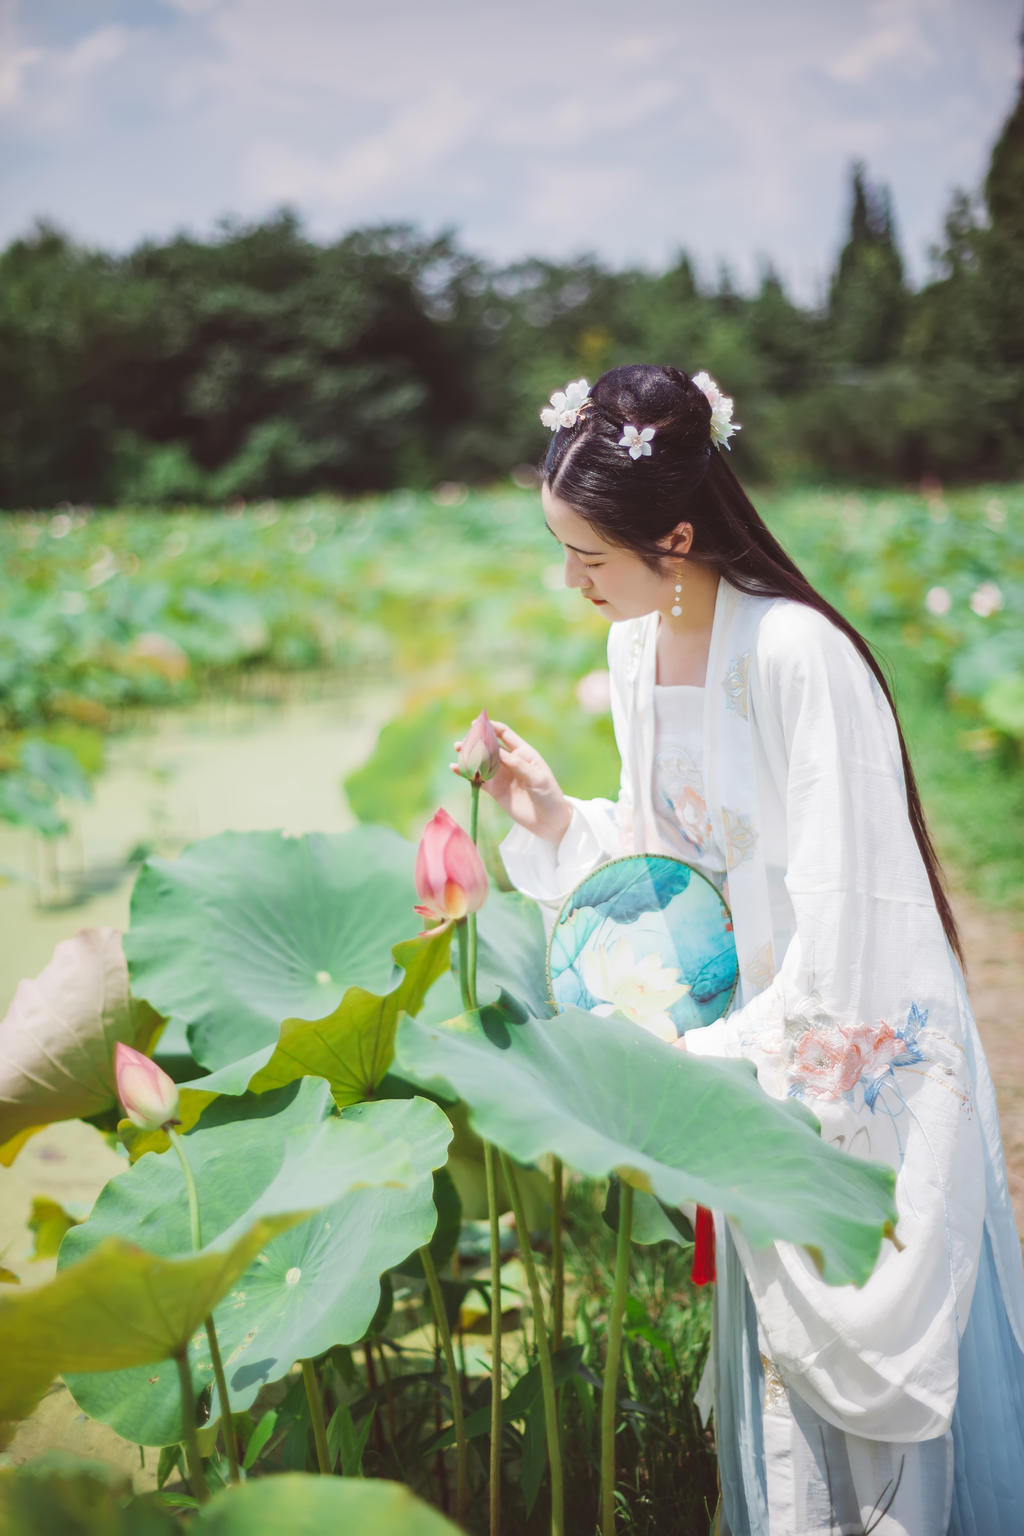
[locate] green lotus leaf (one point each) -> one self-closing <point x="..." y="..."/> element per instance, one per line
<point x="652" y="1221"/>
<point x="446" y="1234"/>
<point x="119" y="1307"/>
<point x="305" y="1505"/>
<point x="61" y="1493"/>
<point x="58" y="1037"/>
<point x="247" y="929"/>
<point x="1002" y="704"/>
<point x="368" y="1174"/>
<point x="352" y="1047"/>
<point x="55" y="767"/>
<point x="512" y="954"/>
<point x="28" y="802"/>
<point x="607" y="1097"/>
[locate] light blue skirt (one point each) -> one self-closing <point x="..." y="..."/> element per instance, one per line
<point x="969" y="1482"/>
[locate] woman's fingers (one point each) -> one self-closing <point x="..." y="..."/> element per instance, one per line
<point x="521" y="761"/>
<point x="507" y="734"/>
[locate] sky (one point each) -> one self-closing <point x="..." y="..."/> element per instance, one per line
<point x="725" y="128"/>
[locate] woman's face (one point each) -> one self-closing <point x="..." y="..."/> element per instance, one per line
<point x="614" y="579"/>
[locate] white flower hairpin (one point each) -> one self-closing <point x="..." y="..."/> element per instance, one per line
<point x="722" y="425"/>
<point x="637" y="440"/>
<point x="566" y="405"/>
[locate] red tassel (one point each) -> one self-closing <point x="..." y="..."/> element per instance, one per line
<point x="703" y="1269"/>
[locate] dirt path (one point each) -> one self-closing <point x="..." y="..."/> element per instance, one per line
<point x="994" y="945"/>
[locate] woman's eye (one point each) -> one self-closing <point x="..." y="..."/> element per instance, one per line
<point x="593" y="565"/>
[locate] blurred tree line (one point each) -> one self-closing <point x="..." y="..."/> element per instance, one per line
<point x="261" y="363"/>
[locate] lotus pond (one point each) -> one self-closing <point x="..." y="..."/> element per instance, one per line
<point x="452" y="601"/>
<point x="431" y="1236"/>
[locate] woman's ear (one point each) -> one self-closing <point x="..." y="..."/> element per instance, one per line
<point x="679" y="541"/>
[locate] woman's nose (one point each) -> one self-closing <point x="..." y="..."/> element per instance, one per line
<point x="575" y="575"/>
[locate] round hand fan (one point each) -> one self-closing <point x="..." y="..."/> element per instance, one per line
<point x="649" y="937"/>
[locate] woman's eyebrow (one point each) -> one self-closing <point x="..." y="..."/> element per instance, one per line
<point x="575" y="551"/>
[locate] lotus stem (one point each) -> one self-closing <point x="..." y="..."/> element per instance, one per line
<point x="226" y="1422"/>
<point x="465" y="985"/>
<point x="471" y="961"/>
<point x="490" y="1175"/>
<point x="316" y="1414"/>
<point x="611" y="1369"/>
<point x="193" y="1460"/>
<point x="557" y="1254"/>
<point x="442" y="1465"/>
<point x="474" y="822"/>
<point x="543" y="1350"/>
<point x="376" y="1427"/>
<point x="444" y="1334"/>
<point x="190" y="1188"/>
<point x="389" y="1396"/>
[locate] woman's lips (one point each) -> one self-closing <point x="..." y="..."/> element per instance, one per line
<point x="598" y="602"/>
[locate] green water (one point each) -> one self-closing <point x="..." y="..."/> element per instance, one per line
<point x="187" y="773"/>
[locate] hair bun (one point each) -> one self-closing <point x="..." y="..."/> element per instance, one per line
<point x="659" y="396"/>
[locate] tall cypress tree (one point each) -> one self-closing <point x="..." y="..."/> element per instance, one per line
<point x="867" y="299"/>
<point x="1001" y="244"/>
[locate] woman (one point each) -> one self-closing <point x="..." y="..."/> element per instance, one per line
<point x="759" y="743"/>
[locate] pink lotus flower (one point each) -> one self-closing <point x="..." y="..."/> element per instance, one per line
<point x="149" y="1096"/>
<point x="479" y="756"/>
<point x="450" y="877"/>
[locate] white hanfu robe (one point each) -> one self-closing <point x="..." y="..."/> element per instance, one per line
<point x="850" y="998"/>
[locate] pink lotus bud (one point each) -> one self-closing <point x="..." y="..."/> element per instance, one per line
<point x="478" y="757"/>
<point x="149" y="1096"/>
<point x="450" y="876"/>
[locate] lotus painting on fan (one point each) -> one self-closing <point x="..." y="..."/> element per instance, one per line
<point x="648" y="937"/>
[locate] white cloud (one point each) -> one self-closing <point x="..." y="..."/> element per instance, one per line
<point x="416" y="140"/>
<point x="192" y="7"/>
<point x="532" y="129"/>
<point x="91" y="52"/>
<point x="577" y="119"/>
<point x="892" y="42"/>
<point x="643" y="47"/>
<point x="14" y="60"/>
<point x="59" y="75"/>
<point x="564" y="205"/>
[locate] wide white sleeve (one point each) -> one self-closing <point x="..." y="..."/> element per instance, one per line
<point x="854" y="873"/>
<point x="600" y="829"/>
<point x="864" y="1022"/>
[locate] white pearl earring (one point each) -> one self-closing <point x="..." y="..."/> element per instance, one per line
<point x="677" y="607"/>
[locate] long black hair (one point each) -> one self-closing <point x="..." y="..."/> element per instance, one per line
<point x="635" y="503"/>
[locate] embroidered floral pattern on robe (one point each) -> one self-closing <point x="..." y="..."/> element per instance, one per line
<point x="682" y="793"/>
<point x="759" y="969"/>
<point x="691" y="812"/>
<point x="831" y="1060"/>
<point x="740" y="836"/>
<point x="735" y="684"/>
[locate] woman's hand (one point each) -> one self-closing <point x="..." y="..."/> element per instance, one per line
<point x="525" y="787"/>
